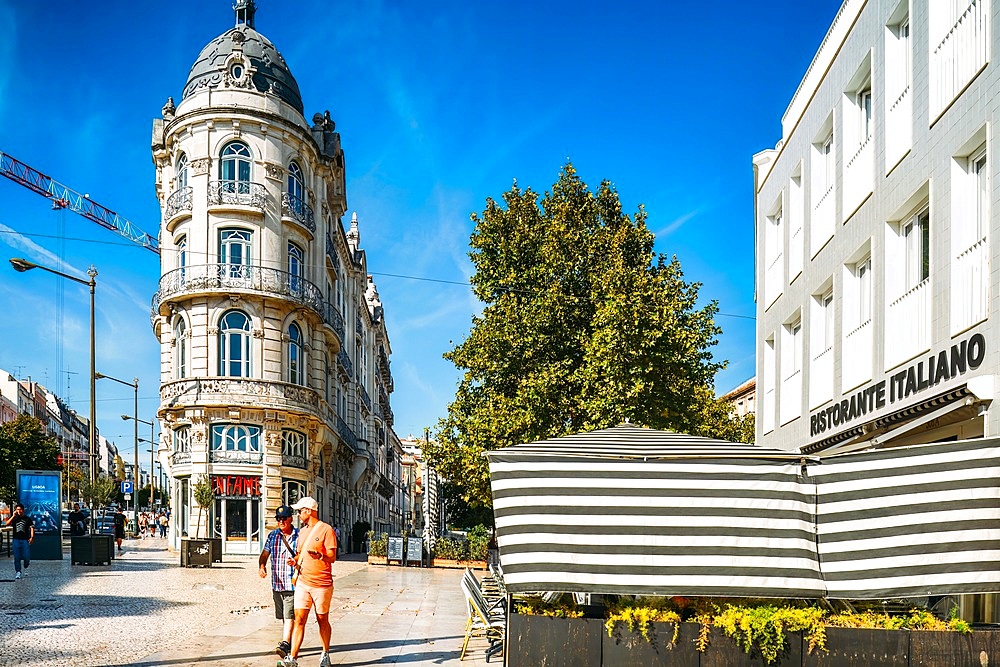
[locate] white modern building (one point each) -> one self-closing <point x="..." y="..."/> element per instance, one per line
<point x="877" y="282"/>
<point x="275" y="377"/>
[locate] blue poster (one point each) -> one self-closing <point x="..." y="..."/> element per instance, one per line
<point x="39" y="491"/>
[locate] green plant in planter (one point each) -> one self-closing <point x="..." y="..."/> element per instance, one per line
<point x="638" y="615"/>
<point x="478" y="541"/>
<point x="378" y="547"/>
<point x="763" y="627"/>
<point x="536" y="606"/>
<point x="451" y="548"/>
<point x="204" y="496"/>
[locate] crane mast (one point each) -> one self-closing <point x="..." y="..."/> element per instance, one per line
<point x="64" y="197"/>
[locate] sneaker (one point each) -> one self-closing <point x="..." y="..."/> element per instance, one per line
<point x="291" y="662"/>
<point x="17" y="575"/>
<point x="325" y="660"/>
<point x="283" y="649"/>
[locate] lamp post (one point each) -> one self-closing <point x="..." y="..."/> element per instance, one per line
<point x="135" y="388"/>
<point x="22" y="265"/>
<point x="152" y="449"/>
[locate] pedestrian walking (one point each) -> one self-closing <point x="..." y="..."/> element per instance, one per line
<point x="119" y="527"/>
<point x="314" y="558"/>
<point x="24" y="535"/>
<point x="278" y="549"/>
<point x="163" y="524"/>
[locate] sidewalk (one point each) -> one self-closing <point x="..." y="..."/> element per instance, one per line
<point x="146" y="610"/>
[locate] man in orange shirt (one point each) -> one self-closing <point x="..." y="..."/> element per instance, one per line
<point x="316" y="553"/>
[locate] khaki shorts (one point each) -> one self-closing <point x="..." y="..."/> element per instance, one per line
<point x="306" y="596"/>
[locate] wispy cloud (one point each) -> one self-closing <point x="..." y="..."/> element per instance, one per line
<point x="36" y="253"/>
<point x="676" y="224"/>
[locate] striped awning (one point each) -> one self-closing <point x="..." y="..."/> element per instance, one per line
<point x="631" y="510"/>
<point x="640" y="511"/>
<point x="910" y="521"/>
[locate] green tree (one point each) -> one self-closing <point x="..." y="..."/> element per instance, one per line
<point x="584" y="327"/>
<point x="24" y="445"/>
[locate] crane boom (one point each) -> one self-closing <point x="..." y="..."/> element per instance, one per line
<point x="64" y="197"/>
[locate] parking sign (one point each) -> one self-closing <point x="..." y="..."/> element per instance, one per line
<point x="126" y="487"/>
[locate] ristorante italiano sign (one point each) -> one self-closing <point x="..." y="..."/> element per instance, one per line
<point x="917" y="377"/>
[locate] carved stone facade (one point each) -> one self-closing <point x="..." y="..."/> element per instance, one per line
<point x="263" y="388"/>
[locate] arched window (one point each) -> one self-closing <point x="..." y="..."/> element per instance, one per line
<point x="234" y="167"/>
<point x="182" y="439"/>
<point x="296" y="189"/>
<point x="292" y="490"/>
<point x="236" y="443"/>
<point x="181" y="353"/>
<point x="293" y="449"/>
<point x="182" y="171"/>
<point x="234" y="252"/>
<point x="296" y="262"/>
<point x="234" y="344"/>
<point x="296" y="359"/>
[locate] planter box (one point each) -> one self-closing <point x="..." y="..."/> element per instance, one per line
<point x="196" y="552"/>
<point x="582" y="642"/>
<point x="459" y="564"/>
<point x="216" y="549"/>
<point x="629" y="648"/>
<point x="92" y="549"/>
<point x="553" y="642"/>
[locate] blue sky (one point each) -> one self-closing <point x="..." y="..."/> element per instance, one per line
<point x="439" y="106"/>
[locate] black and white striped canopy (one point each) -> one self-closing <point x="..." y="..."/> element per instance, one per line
<point x="640" y="511"/>
<point x="632" y="510"/>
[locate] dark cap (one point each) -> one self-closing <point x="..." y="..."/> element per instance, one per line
<point x="283" y="512"/>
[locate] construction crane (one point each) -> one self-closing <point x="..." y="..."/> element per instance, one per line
<point x="66" y="198"/>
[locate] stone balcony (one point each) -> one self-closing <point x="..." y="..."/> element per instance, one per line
<point x="240" y="392"/>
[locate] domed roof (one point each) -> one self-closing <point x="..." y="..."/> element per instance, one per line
<point x="243" y="58"/>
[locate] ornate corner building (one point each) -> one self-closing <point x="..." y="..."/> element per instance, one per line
<point x="275" y="378"/>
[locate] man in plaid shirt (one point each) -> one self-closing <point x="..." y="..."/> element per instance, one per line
<point x="278" y="552"/>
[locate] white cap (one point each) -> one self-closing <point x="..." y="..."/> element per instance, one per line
<point x="306" y="503"/>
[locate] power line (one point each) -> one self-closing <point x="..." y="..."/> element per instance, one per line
<point x="442" y="281"/>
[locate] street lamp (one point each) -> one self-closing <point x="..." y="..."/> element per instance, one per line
<point x="22" y="265"/>
<point x="152" y="426"/>
<point x="135" y="387"/>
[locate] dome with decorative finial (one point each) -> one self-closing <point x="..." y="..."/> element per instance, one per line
<point x="243" y="58"/>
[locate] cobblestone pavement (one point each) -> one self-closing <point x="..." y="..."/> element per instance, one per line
<point x="146" y="610"/>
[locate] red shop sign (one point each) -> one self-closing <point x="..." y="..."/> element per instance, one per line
<point x="236" y="486"/>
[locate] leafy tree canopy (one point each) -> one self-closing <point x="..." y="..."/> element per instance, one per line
<point x="584" y="327"/>
<point x="24" y="445"/>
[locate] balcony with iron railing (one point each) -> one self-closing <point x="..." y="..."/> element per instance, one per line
<point x="970" y="286"/>
<point x="908" y="324"/>
<point x="293" y="461"/>
<point x="294" y="208"/>
<point x="200" y="279"/>
<point x="856" y="357"/>
<point x="345" y="362"/>
<point x="334" y="320"/>
<point x="240" y="392"/>
<point x="236" y="456"/>
<point x="959" y="55"/>
<point x="365" y="398"/>
<point x="236" y="195"/>
<point x="821" y="378"/>
<point x="347" y="435"/>
<point x="178" y="206"/>
<point x="331" y="253"/>
<point x="180" y="458"/>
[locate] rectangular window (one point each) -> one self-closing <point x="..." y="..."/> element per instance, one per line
<point x="981" y="192"/>
<point x="916" y="239"/>
<point x="863" y="272"/>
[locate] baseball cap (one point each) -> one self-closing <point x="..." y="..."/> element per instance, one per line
<point x="283" y="512"/>
<point x="306" y="503"/>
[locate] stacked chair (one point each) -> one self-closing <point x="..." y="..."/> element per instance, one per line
<point x="487" y="605"/>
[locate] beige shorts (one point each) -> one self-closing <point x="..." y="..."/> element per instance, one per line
<point x="307" y="596"/>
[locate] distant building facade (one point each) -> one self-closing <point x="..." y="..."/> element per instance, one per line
<point x="275" y="378"/>
<point x="743" y="398"/>
<point x="877" y="275"/>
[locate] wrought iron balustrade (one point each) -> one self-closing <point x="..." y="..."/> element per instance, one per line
<point x="241" y="193"/>
<point x="293" y="207"/>
<point x="206" y="277"/>
<point x="177" y="202"/>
